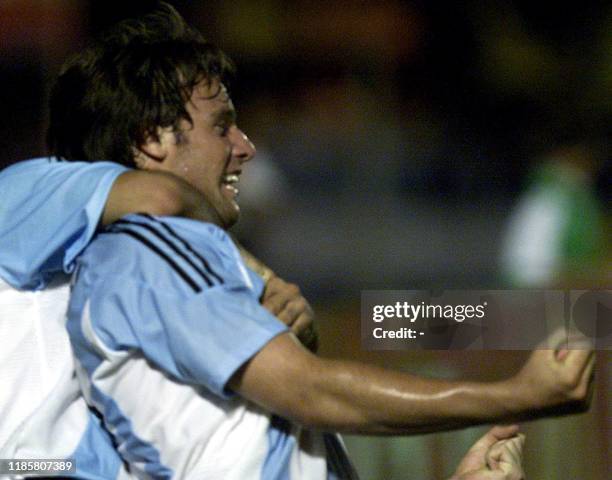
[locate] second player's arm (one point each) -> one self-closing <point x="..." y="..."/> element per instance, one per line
<point x="155" y="193"/>
<point x="353" y="397"/>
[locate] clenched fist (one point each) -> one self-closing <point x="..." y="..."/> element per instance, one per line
<point x="497" y="455"/>
<point x="558" y="377"/>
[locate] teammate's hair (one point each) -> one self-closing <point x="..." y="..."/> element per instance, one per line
<point x="136" y="77"/>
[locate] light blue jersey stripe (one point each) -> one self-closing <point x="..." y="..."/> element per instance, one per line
<point x="132" y="447"/>
<point x="95" y="456"/>
<point x="280" y="448"/>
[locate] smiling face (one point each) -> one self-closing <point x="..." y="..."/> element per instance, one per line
<point x="208" y="154"/>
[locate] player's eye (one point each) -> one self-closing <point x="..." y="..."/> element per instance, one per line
<point x="222" y="129"/>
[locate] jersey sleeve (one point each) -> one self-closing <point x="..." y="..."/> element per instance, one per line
<point x="198" y="325"/>
<point x="48" y="214"/>
<point x="203" y="341"/>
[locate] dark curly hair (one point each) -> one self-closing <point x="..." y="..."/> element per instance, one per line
<point x="136" y="77"/>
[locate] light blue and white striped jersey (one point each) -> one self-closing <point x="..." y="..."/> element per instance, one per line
<point x="44" y="414"/>
<point x="163" y="313"/>
<point x="49" y="210"/>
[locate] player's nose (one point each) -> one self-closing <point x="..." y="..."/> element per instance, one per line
<point x="242" y="147"/>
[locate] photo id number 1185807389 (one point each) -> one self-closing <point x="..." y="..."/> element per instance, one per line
<point x="50" y="467"/>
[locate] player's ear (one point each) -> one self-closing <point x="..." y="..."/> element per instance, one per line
<point x="151" y="154"/>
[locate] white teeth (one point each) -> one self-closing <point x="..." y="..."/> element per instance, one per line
<point x="231" y="178"/>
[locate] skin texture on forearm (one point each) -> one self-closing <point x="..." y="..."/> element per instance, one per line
<point x="377" y="401"/>
<point x="352" y="397"/>
<point x="400" y="403"/>
<point x="355" y="398"/>
<point x="155" y="193"/>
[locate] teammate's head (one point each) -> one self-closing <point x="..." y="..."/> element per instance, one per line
<point x="150" y="93"/>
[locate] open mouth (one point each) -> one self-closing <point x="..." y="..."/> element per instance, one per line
<point x="229" y="183"/>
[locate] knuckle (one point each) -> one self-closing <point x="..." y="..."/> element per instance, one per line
<point x="276" y="283"/>
<point x="575" y="391"/>
<point x="273" y="309"/>
<point x="569" y="379"/>
<point x="285" y="318"/>
<point x="580" y="393"/>
<point x="269" y="301"/>
<point x="294" y="309"/>
<point x="298" y="328"/>
<point x="304" y="321"/>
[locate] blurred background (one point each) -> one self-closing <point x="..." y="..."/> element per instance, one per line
<point x="401" y="145"/>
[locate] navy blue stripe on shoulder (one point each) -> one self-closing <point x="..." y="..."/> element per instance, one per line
<point x="164" y="237"/>
<point x="116" y="229"/>
<point x="186" y="244"/>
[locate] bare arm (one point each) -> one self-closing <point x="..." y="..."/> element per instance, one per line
<point x="288" y="380"/>
<point x="155" y="193"/>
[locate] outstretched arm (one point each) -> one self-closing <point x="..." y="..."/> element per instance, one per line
<point x="358" y="398"/>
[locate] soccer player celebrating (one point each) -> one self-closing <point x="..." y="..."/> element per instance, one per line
<point x="192" y="377"/>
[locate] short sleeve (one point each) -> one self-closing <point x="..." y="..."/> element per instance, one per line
<point x="203" y="340"/>
<point x="173" y="290"/>
<point x="49" y="211"/>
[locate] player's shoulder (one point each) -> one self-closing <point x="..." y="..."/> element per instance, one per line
<point x="28" y="165"/>
<point x="44" y="177"/>
<point x="53" y="165"/>
<point x="26" y="169"/>
<point x="164" y="250"/>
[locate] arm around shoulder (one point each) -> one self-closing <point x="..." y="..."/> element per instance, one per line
<point x="155" y="193"/>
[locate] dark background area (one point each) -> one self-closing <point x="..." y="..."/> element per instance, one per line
<point x="413" y="125"/>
